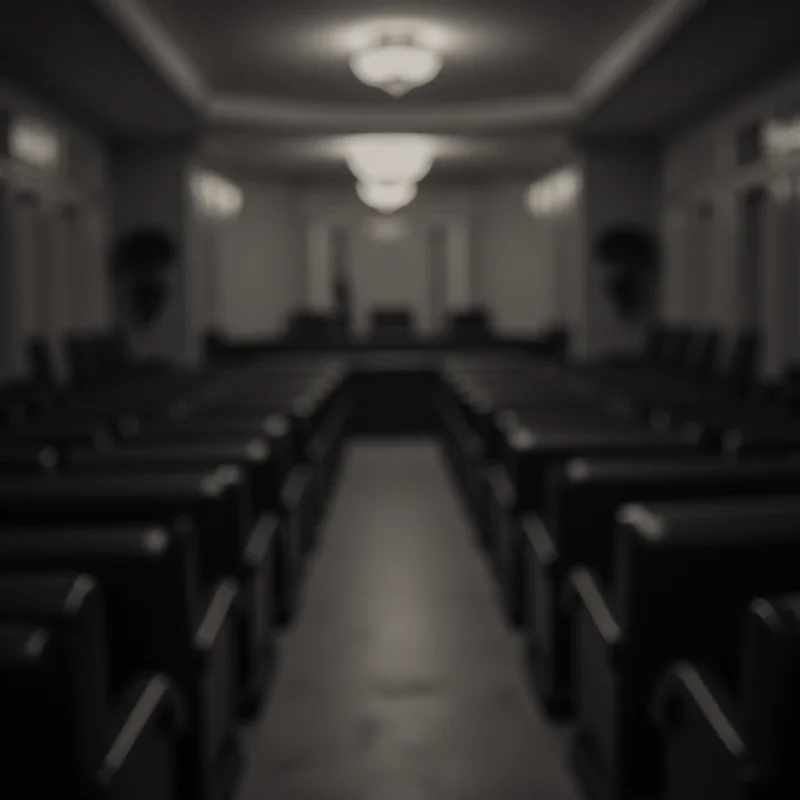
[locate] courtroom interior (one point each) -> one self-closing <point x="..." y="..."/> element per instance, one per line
<point x="400" y="399"/>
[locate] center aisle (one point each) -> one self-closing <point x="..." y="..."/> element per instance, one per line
<point x="400" y="680"/>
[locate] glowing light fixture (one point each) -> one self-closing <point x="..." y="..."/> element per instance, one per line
<point x="781" y="137"/>
<point x="396" y="63"/>
<point x="386" y="197"/>
<point x="389" y="158"/>
<point x="216" y="196"/>
<point x="554" y="193"/>
<point x="35" y="143"/>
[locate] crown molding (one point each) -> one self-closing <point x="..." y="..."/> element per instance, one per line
<point x="640" y="41"/>
<point x="277" y="114"/>
<point x="619" y="62"/>
<point x="144" y="32"/>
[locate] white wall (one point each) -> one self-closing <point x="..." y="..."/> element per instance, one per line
<point x="56" y="280"/>
<point x="516" y="263"/>
<point x="500" y="258"/>
<point x="621" y="184"/>
<point x="151" y="188"/>
<point x="701" y="167"/>
<point x="259" y="276"/>
<point x="390" y="272"/>
<point x="325" y="210"/>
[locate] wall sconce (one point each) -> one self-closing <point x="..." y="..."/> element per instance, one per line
<point x="554" y="193"/>
<point x="33" y="142"/>
<point x="216" y="196"/>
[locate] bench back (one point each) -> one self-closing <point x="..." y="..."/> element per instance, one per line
<point x="684" y="573"/>
<point x="149" y="579"/>
<point x="584" y="496"/>
<point x="76" y="694"/>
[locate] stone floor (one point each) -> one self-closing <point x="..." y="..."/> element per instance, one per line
<point x="400" y="680"/>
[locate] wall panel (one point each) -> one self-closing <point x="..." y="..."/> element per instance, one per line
<point x="54" y="275"/>
<point x="723" y="161"/>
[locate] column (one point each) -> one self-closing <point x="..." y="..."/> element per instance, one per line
<point x="621" y="185"/>
<point x="151" y="189"/>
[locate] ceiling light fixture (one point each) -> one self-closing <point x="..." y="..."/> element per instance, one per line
<point x="386" y="197"/>
<point x="396" y="64"/>
<point x="389" y="158"/>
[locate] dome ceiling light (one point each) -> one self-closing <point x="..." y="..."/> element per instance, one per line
<point x="389" y="158"/>
<point x="388" y="167"/>
<point x="386" y="197"/>
<point x="396" y="63"/>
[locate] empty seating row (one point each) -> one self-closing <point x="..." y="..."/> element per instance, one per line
<point x="144" y="571"/>
<point x="633" y="554"/>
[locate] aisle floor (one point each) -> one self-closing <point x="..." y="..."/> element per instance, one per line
<point x="400" y="680"/>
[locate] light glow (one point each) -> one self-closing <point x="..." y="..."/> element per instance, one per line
<point x="386" y="197"/>
<point x="216" y="196"/>
<point x="389" y="158"/>
<point x="35" y="143"/>
<point x="555" y="193"/>
<point x="396" y="64"/>
<point x="781" y="137"/>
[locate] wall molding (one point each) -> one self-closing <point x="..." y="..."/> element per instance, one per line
<point x="159" y="47"/>
<point x="262" y="112"/>
<point x="641" y="40"/>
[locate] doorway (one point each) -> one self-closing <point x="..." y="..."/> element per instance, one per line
<point x="389" y="271"/>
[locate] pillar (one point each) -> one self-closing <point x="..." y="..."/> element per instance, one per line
<point x="621" y="184"/>
<point x="151" y="187"/>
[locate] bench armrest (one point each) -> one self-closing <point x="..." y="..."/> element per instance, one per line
<point x="685" y="684"/>
<point x="223" y="603"/>
<point x="501" y="487"/>
<point x="541" y="543"/>
<point x="150" y="708"/>
<point x="587" y="593"/>
<point x="696" y="716"/>
<point x="294" y="487"/>
<point x="261" y="538"/>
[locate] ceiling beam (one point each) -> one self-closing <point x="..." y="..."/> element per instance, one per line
<point x="157" y="46"/>
<point x="628" y="53"/>
<point x="464" y="117"/>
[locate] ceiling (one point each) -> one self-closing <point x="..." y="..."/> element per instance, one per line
<point x="730" y="47"/>
<point x="493" y="49"/>
<point x="269" y="82"/>
<point x="54" y="49"/>
<point x="281" y="96"/>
